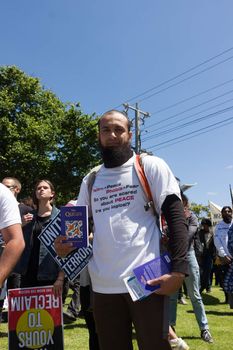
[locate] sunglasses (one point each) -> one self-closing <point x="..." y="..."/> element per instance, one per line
<point x="10" y="187"/>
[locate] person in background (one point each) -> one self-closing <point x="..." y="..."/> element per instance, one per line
<point x="206" y="238"/>
<point x="182" y="294"/>
<point x="28" y="202"/>
<point x="15" y="187"/>
<point x="37" y="266"/>
<point x="220" y="241"/>
<point x="228" y="281"/>
<point x="192" y="281"/>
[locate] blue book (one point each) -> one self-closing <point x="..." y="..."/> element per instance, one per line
<point x="76" y="261"/>
<point x="137" y="283"/>
<point x="152" y="269"/>
<point x="74" y="225"/>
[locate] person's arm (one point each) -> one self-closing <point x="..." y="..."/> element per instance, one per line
<point x="192" y="225"/>
<point x="58" y="284"/>
<point x="178" y="246"/>
<point x="14" y="245"/>
<point x="178" y="233"/>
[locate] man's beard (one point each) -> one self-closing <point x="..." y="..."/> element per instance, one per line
<point x="227" y="219"/>
<point x="115" y="156"/>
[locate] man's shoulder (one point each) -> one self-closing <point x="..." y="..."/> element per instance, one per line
<point x="152" y="162"/>
<point x="4" y="190"/>
<point x="220" y="224"/>
<point x="145" y="157"/>
<point x="90" y="176"/>
<point x="6" y="195"/>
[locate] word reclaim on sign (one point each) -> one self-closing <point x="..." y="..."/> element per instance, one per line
<point x="35" y="319"/>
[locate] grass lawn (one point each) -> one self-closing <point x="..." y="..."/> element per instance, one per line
<point x="219" y="315"/>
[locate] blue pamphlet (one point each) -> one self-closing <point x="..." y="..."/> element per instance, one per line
<point x="74" y="225"/>
<point x="137" y="283"/>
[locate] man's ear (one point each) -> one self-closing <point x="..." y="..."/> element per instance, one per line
<point x="17" y="190"/>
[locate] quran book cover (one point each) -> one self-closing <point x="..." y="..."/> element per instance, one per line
<point x="74" y="225"/>
<point x="152" y="269"/>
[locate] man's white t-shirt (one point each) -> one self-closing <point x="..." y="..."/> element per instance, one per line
<point x="9" y="210"/>
<point x="125" y="234"/>
<point x="221" y="238"/>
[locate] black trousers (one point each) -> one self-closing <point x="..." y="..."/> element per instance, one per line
<point x="115" y="313"/>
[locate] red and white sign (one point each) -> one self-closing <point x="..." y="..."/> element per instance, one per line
<point x="35" y="319"/>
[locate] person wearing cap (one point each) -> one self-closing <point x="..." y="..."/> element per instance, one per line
<point x="208" y="253"/>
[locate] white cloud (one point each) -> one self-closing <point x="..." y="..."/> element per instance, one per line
<point x="229" y="167"/>
<point x="212" y="193"/>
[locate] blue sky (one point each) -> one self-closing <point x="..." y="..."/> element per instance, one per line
<point x="103" y="53"/>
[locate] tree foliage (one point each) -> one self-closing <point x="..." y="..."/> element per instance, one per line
<point x="41" y="137"/>
<point x="77" y="152"/>
<point x="200" y="210"/>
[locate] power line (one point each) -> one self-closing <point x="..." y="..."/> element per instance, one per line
<point x="190" y="133"/>
<point x="187" y="117"/>
<point x="191" y="108"/>
<point x="191" y="137"/>
<point x="185" y="79"/>
<point x="178" y="76"/>
<point x="197" y="120"/>
<point x="192" y="97"/>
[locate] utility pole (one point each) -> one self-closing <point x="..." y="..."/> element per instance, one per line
<point x="138" y="113"/>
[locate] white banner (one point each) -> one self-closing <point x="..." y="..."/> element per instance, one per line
<point x="215" y="213"/>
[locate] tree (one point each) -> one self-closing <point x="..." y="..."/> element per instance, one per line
<point x="41" y="137"/>
<point x="200" y="210"/>
<point x="77" y="152"/>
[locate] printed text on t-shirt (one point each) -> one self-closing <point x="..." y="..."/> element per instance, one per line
<point x="113" y="196"/>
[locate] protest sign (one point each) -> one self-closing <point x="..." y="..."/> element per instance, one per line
<point x="75" y="261"/>
<point x="35" y="319"/>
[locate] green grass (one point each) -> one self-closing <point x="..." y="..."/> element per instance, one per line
<point x="219" y="317"/>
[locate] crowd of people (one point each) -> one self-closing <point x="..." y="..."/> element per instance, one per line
<point x="126" y="234"/>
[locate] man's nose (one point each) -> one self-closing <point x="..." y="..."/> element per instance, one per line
<point x="113" y="133"/>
